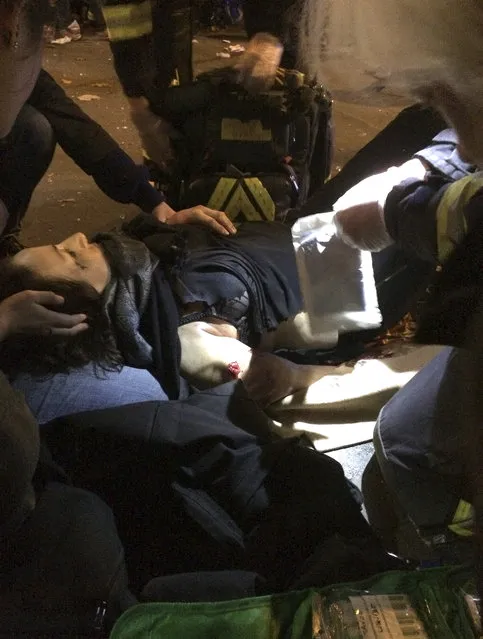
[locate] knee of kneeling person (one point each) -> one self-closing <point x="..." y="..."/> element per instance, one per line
<point x="34" y="131"/>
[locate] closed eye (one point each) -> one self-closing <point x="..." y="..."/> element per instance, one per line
<point x="73" y="254"/>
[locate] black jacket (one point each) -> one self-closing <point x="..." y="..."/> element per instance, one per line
<point x="92" y="148"/>
<point x="193" y="261"/>
<point x="192" y="490"/>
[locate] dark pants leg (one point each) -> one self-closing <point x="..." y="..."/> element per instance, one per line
<point x="412" y="130"/>
<point x="193" y="491"/>
<point x="172" y="42"/>
<point x="25" y="156"/>
<point x="63" y="16"/>
<point x="420" y="446"/>
<point x="96" y="10"/>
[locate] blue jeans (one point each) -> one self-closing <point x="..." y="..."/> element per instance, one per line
<point x="419" y="443"/>
<point x="83" y="390"/>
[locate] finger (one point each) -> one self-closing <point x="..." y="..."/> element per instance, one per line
<point x="62" y="320"/>
<point x="212" y="223"/>
<point x="221" y="217"/>
<point x="197" y="215"/>
<point x="70" y="332"/>
<point x="46" y="298"/>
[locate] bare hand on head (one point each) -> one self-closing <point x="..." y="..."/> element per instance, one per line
<point x="217" y="220"/>
<point x="257" y="68"/>
<point x="27" y="312"/>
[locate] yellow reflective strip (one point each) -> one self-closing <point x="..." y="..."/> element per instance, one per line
<point x="463" y="520"/>
<point x="262" y="197"/>
<point x="445" y="246"/>
<point x="221" y="193"/>
<point x="229" y="196"/>
<point x="129" y="33"/>
<point x="240" y="204"/>
<point x="450" y="219"/>
<point x="249" y="131"/>
<point x="128" y="21"/>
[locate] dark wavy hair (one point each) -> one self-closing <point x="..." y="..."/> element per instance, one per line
<point x="43" y="356"/>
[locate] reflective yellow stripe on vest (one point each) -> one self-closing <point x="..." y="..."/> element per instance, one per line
<point x="262" y="198"/>
<point x="463" y="520"/>
<point x="450" y="219"/>
<point x="251" y="131"/>
<point x="128" y="21"/>
<point x="231" y="196"/>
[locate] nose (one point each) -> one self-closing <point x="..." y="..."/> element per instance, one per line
<point x="80" y="240"/>
<point x="77" y="241"/>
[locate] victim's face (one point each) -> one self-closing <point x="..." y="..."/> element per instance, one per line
<point x="75" y="259"/>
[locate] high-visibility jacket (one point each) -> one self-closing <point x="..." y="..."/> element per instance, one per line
<point x="151" y="42"/>
<point x="452" y="213"/>
<point x="429" y="217"/>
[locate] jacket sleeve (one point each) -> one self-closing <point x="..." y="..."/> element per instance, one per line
<point x="92" y="148"/>
<point x="426" y="216"/>
<point x="442" y="156"/>
<point x="431" y="217"/>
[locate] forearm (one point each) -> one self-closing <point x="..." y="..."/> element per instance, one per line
<point x="82" y="139"/>
<point x="121" y="179"/>
<point x="206" y="354"/>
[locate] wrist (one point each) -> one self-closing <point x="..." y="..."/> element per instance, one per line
<point x="163" y="212"/>
<point x="147" y="197"/>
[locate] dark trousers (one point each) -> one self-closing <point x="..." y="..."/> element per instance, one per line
<point x="409" y="132"/>
<point x="25" y="156"/>
<point x="419" y="472"/>
<point x="63" y="16"/>
<point x="172" y="41"/>
<point x="192" y="490"/>
<point x="96" y="10"/>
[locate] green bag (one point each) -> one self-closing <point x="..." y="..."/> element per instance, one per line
<point x="428" y="604"/>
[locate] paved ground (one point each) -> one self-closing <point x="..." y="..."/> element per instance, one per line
<point x="67" y="200"/>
